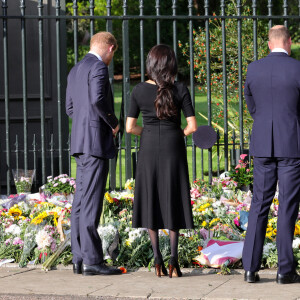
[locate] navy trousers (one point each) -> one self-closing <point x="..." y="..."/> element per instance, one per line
<point x="91" y="178"/>
<point x="266" y="173"/>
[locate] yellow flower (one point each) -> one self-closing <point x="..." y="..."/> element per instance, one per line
<point x="275" y="231"/>
<point x="214" y="221"/>
<point x="127" y="243"/>
<point x="269" y="235"/>
<point x="108" y="197"/>
<point x="275" y="201"/>
<point x="15" y="212"/>
<point x="204" y="223"/>
<point x="297" y="229"/>
<point x="39" y="218"/>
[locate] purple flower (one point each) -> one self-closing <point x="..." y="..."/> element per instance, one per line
<point x="204" y="233"/>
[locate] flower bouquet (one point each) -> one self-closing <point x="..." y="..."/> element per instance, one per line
<point x="242" y="173"/>
<point x="23" y="180"/>
<point x="58" y="190"/>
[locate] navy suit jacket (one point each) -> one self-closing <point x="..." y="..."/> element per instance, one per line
<point x="89" y="102"/>
<point x="272" y="92"/>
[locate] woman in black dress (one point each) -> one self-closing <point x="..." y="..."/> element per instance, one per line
<point x="162" y="189"/>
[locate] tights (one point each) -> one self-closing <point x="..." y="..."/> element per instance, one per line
<point x="153" y="233"/>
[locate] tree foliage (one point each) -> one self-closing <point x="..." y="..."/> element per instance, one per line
<point x="232" y="65"/>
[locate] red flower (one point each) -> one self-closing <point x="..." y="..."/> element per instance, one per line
<point x="123" y="270"/>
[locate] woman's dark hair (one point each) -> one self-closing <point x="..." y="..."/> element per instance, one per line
<point x="162" y="68"/>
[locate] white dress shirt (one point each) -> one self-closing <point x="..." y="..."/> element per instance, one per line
<point x="280" y="50"/>
<point x="96" y="54"/>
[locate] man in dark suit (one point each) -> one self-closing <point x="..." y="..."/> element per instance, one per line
<point x="272" y="92"/>
<point x="89" y="102"/>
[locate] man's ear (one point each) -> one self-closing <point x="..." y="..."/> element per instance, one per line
<point x="270" y="45"/>
<point x="111" y="48"/>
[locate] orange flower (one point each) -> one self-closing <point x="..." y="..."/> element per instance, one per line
<point x="199" y="248"/>
<point x="123" y="270"/>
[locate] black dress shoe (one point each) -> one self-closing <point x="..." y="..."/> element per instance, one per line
<point x="251" y="277"/>
<point x="77" y="268"/>
<point x="100" y="269"/>
<point x="288" y="278"/>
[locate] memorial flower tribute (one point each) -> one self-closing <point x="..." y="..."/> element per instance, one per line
<point x="35" y="230"/>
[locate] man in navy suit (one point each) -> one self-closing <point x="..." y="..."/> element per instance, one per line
<point x="89" y="102"/>
<point x="272" y="92"/>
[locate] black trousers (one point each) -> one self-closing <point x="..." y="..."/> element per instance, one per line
<point x="266" y="173"/>
<point x="91" y="176"/>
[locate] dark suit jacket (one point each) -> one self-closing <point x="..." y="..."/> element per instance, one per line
<point x="272" y="92"/>
<point x="89" y="102"/>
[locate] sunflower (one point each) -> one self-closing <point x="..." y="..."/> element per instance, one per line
<point x="108" y="197"/>
<point x="39" y="218"/>
<point x="297" y="229"/>
<point x="15" y="212"/>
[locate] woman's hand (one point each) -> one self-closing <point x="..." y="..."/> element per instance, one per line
<point x="191" y="126"/>
<point x="132" y="128"/>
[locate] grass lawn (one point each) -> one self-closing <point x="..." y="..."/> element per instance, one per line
<point x="200" y="105"/>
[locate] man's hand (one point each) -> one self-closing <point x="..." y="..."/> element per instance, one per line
<point x="115" y="131"/>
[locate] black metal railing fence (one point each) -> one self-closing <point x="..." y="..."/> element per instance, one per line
<point x="10" y="147"/>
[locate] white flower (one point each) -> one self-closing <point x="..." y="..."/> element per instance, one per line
<point x="296" y="243"/>
<point x="13" y="229"/>
<point x="63" y="180"/>
<point x="43" y="239"/>
<point x="135" y="233"/>
<point x="268" y="248"/>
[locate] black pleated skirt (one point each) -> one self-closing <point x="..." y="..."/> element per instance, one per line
<point x="162" y="189"/>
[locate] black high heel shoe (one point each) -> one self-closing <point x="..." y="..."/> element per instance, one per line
<point x="160" y="269"/>
<point x="174" y="269"/>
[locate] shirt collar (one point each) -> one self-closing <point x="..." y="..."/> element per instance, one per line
<point x="280" y="50"/>
<point x="96" y="54"/>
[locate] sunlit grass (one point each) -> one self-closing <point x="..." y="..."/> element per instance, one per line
<point x="200" y="106"/>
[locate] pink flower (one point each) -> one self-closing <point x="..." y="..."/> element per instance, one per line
<point x="18" y="241"/>
<point x="238" y="166"/>
<point x="242" y="156"/>
<point x="72" y="182"/>
<point x="240" y="161"/>
<point x="236" y="221"/>
<point x="195" y="193"/>
<point x="248" y="170"/>
<point x="63" y="180"/>
<point x="7" y="242"/>
<point x="55" y="184"/>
